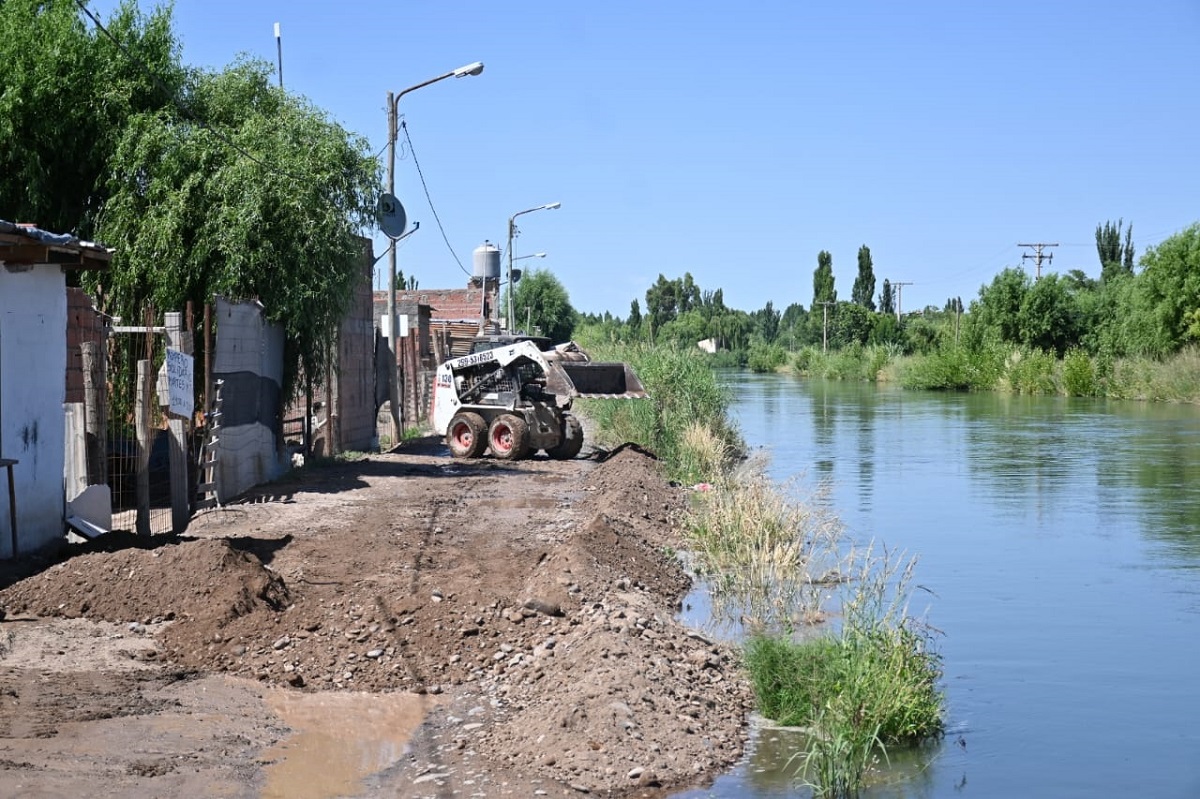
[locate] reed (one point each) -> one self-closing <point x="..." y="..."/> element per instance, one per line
<point x="870" y="685"/>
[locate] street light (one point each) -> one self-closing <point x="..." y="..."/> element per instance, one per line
<point x="393" y="102"/>
<point x="512" y="231"/>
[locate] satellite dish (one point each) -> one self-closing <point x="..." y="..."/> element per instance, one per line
<point x="516" y="273"/>
<point x="392" y="219"/>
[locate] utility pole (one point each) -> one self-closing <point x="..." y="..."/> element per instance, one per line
<point x="1038" y="256"/>
<point x="899" y="287"/>
<point x="824" y="323"/>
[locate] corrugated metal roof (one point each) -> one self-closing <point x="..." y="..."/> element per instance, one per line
<point x="28" y="245"/>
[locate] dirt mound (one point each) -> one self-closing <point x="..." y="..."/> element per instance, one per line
<point x="201" y="582"/>
<point x="536" y="598"/>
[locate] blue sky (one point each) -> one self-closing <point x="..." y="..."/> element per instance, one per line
<point x="737" y="140"/>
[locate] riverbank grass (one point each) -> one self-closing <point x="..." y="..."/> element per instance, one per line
<point x="869" y="686"/>
<point x="767" y="559"/>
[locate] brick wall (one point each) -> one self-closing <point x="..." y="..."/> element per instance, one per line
<point x="83" y="324"/>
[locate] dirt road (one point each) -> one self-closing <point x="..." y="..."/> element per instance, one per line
<point x="402" y="626"/>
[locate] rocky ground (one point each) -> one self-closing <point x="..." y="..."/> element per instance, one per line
<point x="525" y="612"/>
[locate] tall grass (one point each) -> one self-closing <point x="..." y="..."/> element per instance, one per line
<point x="854" y="362"/>
<point x="767" y="558"/>
<point x="869" y="686"/>
<point x="953" y="368"/>
<point x="1077" y="374"/>
<point x="684" y="395"/>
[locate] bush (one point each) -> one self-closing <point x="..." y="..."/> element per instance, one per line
<point x="1031" y="372"/>
<point x="871" y="686"/>
<point x="683" y="391"/>
<point x="1078" y="374"/>
<point x="766" y="357"/>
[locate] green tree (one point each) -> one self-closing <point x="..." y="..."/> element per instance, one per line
<point x="67" y="93"/>
<point x="823" y="290"/>
<point x="263" y="200"/>
<point x="999" y="305"/>
<point x="1161" y="313"/>
<point x="1115" y="257"/>
<point x="543" y="300"/>
<point x="852" y="324"/>
<point x="662" y="302"/>
<point x="1049" y="317"/>
<point x="635" y="316"/>
<point x="863" y="292"/>
<point x="887" y="301"/>
<point x="767" y="321"/>
<point x="793" y="323"/>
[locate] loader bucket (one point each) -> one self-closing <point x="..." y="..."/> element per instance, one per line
<point x="603" y="380"/>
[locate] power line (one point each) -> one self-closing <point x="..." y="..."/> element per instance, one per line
<point x="428" y="199"/>
<point x="1038" y="256"/>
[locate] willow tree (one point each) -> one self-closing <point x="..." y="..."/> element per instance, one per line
<point x="243" y="190"/>
<point x="66" y="92"/>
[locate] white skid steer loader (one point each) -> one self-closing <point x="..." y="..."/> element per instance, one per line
<point x="514" y="399"/>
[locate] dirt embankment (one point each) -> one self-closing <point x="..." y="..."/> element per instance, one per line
<point x="530" y="605"/>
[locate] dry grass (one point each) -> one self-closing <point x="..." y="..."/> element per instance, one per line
<point x="768" y="559"/>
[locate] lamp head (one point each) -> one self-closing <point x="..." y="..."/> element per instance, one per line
<point x="551" y="206"/>
<point x="469" y="69"/>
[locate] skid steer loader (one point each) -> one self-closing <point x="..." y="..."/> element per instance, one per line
<point x="514" y="399"/>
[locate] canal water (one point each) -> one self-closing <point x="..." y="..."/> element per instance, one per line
<point x="1060" y="539"/>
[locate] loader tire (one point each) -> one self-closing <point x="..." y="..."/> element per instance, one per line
<point x="467" y="435"/>
<point x="509" y="437"/>
<point x="572" y="439"/>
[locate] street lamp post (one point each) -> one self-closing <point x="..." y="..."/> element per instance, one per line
<point x="512" y="232"/>
<point x="393" y="103"/>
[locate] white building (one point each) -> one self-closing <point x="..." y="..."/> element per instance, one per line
<point x="33" y="361"/>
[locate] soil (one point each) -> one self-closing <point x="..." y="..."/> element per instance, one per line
<point x="522" y="616"/>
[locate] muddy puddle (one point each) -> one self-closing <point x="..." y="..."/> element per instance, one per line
<point x="338" y="740"/>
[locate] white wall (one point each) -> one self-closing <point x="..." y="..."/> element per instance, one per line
<point x="33" y="364"/>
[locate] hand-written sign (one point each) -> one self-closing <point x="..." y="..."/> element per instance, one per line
<point x="179" y="382"/>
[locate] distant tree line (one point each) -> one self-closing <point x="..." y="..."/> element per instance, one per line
<point x="1147" y="308"/>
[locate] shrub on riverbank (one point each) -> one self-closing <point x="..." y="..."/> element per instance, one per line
<point x="767" y="559"/>
<point x="870" y="686"/>
<point x="1033" y="371"/>
<point x="855" y="362"/>
<point x="771" y="562"/>
<point x="683" y="394"/>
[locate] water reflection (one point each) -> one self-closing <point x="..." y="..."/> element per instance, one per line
<point x="1061" y="539"/>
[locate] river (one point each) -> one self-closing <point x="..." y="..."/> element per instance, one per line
<point x="1060" y="539"/>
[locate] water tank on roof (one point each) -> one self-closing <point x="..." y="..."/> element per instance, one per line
<point x="487" y="261"/>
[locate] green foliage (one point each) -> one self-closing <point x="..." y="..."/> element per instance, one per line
<point x="954" y="368"/>
<point x="1031" y="372"/>
<point x="541" y="300"/>
<point x="823" y="290"/>
<point x="999" y="305"/>
<point x="683" y="391"/>
<point x="1168" y="294"/>
<point x="767" y="322"/>
<point x="1079" y="374"/>
<point x="191" y="216"/>
<point x="887" y="299"/>
<point x="1115" y="258"/>
<point x="1048" y="316"/>
<point x="870" y="686"/>
<point x="863" y="292"/>
<point x="855" y="362"/>
<point x="852" y="324"/>
<point x="764" y="357"/>
<point x="66" y="93"/>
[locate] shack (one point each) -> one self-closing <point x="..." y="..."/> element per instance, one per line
<point x="33" y="365"/>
